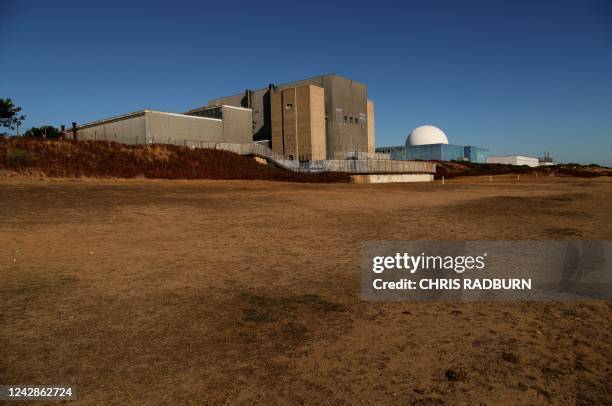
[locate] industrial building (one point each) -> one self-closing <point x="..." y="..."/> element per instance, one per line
<point x="325" y="116"/>
<point x="429" y="143"/>
<point x="225" y="124"/>
<point x="514" y="160"/>
<point x="325" y="123"/>
<point x="546" y="160"/>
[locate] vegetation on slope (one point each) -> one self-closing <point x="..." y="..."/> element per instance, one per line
<point x="110" y="159"/>
<point x="454" y="169"/>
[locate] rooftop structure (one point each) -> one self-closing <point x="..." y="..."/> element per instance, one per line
<point x="546" y="160"/>
<point x="426" y="135"/>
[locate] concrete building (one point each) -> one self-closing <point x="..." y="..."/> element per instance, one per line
<point x="514" y="160"/>
<point x="314" y="125"/>
<point x="348" y="115"/>
<point x="298" y="122"/>
<point x="225" y="124"/>
<point x="429" y="143"/>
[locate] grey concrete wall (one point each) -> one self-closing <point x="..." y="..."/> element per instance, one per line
<point x="347" y="127"/>
<point x="237" y="124"/>
<point x="393" y="178"/>
<point x="169" y="128"/>
<point x="127" y="129"/>
<point x="236" y="100"/>
<point x="260" y="106"/>
<point x="176" y="128"/>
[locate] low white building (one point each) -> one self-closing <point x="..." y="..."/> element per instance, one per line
<point x="514" y="160"/>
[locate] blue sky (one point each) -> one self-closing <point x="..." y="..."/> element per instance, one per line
<point x="517" y="77"/>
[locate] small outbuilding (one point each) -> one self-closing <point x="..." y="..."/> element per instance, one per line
<point x="514" y="160"/>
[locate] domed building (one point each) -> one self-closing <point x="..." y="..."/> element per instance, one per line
<point x="429" y="143"/>
<point x="426" y="135"/>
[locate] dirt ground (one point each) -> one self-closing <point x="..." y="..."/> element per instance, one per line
<point x="147" y="291"/>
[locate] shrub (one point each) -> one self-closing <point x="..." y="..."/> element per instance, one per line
<point x="18" y="157"/>
<point x="103" y="159"/>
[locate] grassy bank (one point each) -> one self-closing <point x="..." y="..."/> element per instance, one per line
<point x="100" y="159"/>
<point x="454" y="169"/>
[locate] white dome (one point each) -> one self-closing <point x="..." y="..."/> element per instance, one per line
<point x="426" y="134"/>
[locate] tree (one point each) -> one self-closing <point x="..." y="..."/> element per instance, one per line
<point x="9" y="114"/>
<point x="46" y="131"/>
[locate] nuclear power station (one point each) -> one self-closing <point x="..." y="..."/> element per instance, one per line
<point x="324" y="123"/>
<point x="325" y="117"/>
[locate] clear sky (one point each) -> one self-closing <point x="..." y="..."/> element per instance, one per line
<point x="517" y="77"/>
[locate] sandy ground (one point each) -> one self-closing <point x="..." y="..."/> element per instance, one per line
<point x="152" y="292"/>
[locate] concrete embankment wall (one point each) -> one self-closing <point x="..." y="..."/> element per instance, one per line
<point x="393" y="178"/>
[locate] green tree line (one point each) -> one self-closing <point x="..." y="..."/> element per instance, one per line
<point x="11" y="118"/>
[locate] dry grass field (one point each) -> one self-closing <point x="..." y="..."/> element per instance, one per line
<point x="153" y="291"/>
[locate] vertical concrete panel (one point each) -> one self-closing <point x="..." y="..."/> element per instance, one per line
<point x="237" y="125"/>
<point x="289" y="109"/>
<point x="276" y="111"/>
<point x="302" y="112"/>
<point x="348" y="104"/>
<point x="260" y="110"/>
<point x="298" y="122"/>
<point x="371" y="128"/>
<point x="317" y="123"/>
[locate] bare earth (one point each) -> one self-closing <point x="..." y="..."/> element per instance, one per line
<point x="146" y="291"/>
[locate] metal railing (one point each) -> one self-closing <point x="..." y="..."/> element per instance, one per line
<point x="248" y="149"/>
<point x="362" y="166"/>
<point x="353" y="162"/>
<point x="362" y="155"/>
<point x="367" y="166"/>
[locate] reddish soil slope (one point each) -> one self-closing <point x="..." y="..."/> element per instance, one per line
<point x="109" y="159"/>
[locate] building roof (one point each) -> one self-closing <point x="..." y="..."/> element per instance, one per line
<point x="135" y="114"/>
<point x="426" y="135"/>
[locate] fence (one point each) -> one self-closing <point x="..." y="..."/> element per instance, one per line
<point x="366" y="166"/>
<point x="363" y="166"/>
<point x="129" y="140"/>
<point x="354" y="162"/>
<point x="362" y="155"/>
<point x="248" y="149"/>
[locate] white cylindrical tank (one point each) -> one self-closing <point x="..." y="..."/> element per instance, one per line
<point x="426" y="134"/>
